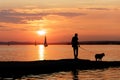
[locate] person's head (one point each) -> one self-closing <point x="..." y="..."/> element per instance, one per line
<point x="76" y="34"/>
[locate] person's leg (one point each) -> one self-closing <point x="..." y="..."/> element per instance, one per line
<point x="74" y="53"/>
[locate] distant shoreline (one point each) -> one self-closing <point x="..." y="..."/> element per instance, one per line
<point x="63" y="43"/>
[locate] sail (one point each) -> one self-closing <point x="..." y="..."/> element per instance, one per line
<point x="45" y="42"/>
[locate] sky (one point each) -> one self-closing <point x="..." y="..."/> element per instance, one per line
<point x="93" y="20"/>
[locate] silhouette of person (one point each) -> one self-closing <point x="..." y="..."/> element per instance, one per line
<point x="75" y="45"/>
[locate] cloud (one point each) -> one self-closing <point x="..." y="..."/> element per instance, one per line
<point x="4" y="28"/>
<point x="68" y="14"/>
<point x="14" y="29"/>
<point x="8" y="28"/>
<point x="9" y="16"/>
<point x="23" y="16"/>
<point x="99" y="8"/>
<point x="1" y="26"/>
<point x="14" y="16"/>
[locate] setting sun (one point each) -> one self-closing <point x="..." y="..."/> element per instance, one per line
<point x="42" y="32"/>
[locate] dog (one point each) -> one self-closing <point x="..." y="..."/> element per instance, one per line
<point x="99" y="57"/>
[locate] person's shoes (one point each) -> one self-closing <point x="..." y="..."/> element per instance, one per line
<point x="76" y="58"/>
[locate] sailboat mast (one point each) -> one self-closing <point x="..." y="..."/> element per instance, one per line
<point x="35" y="43"/>
<point x="45" y="42"/>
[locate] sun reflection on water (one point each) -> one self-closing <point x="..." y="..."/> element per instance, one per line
<point x="41" y="52"/>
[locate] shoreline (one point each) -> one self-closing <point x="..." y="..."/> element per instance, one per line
<point x="15" y="68"/>
<point x="62" y="43"/>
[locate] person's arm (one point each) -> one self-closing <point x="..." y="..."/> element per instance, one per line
<point x="78" y="44"/>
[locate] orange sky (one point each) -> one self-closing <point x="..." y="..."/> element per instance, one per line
<point x="91" y="19"/>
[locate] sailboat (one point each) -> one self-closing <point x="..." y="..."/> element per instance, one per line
<point x="45" y="42"/>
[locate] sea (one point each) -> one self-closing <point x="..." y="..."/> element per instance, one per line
<point x="57" y="52"/>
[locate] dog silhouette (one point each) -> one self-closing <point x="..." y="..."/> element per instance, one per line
<point x="99" y="57"/>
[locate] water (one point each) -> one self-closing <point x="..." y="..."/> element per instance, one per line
<point x="55" y="52"/>
<point x="104" y="74"/>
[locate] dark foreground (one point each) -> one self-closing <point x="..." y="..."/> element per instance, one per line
<point x="16" y="68"/>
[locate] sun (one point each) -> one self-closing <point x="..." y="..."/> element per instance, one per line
<point x="41" y="32"/>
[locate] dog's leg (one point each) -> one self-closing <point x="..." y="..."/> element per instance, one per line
<point x="96" y="59"/>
